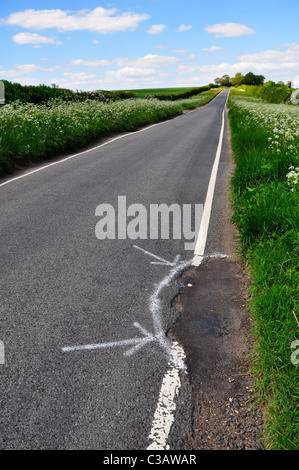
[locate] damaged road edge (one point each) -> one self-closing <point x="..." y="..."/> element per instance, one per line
<point x="214" y="327"/>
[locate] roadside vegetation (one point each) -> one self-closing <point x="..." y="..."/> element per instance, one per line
<point x="142" y="92"/>
<point x="43" y="93"/>
<point x="34" y="132"/>
<point x="265" y="196"/>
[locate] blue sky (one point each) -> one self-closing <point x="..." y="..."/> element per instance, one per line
<point x="147" y="43"/>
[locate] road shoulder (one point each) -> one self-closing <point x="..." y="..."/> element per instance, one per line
<point x="214" y="329"/>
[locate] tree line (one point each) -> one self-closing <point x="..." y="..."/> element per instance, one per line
<point x="248" y="79"/>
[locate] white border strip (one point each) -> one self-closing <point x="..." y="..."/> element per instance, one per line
<point x="164" y="414"/>
<point x="165" y="411"/>
<point x="205" y="221"/>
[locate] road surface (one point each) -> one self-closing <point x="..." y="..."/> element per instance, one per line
<point x="62" y="287"/>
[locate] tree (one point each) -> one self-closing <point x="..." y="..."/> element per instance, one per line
<point x="260" y="79"/>
<point x="269" y="83"/>
<point x="238" y="79"/>
<point x="252" y="79"/>
<point x="225" y="80"/>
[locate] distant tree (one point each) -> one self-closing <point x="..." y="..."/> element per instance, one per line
<point x="225" y="80"/>
<point x="260" y="79"/>
<point x="269" y="83"/>
<point x="289" y="84"/>
<point x="252" y="79"/>
<point x="238" y="79"/>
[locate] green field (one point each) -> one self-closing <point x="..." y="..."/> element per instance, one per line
<point x="142" y="92"/>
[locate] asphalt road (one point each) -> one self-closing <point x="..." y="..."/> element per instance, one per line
<point x="61" y="286"/>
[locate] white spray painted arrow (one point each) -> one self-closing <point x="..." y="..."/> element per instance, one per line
<point x="138" y="342"/>
<point x="161" y="260"/>
<point x="155" y="305"/>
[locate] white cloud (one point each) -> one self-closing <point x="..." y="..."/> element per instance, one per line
<point x="101" y="20"/>
<point x="121" y="79"/>
<point x="80" y="76"/>
<point x="289" y="57"/>
<point x="95" y="41"/>
<point x="133" y="77"/>
<point x="33" y="38"/>
<point x="212" y="49"/>
<point x="156" y="29"/>
<point x="149" y="60"/>
<point x="28" y="68"/>
<point x="184" y="28"/>
<point x="179" y="51"/>
<point x="26" y="81"/>
<point x="21" y="73"/>
<point x="273" y="64"/>
<point x="91" y="63"/>
<point x="129" y="72"/>
<point x="228" y="30"/>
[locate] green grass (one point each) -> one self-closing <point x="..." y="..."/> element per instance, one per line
<point x="33" y="133"/>
<point x="265" y="142"/>
<point x="161" y="91"/>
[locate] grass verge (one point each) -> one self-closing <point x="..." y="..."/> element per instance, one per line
<point x="265" y="196"/>
<point x="36" y="132"/>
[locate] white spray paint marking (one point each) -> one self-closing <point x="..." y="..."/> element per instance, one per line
<point x="139" y="342"/>
<point x="161" y="260"/>
<point x="164" y="414"/>
<point x="165" y="410"/>
<point x="155" y="306"/>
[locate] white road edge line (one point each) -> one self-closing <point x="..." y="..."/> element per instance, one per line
<point x="171" y="384"/>
<point x="205" y="221"/>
